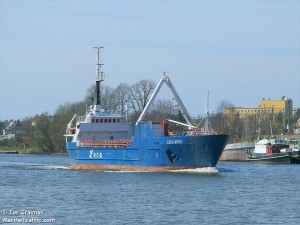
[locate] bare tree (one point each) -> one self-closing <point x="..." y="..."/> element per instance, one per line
<point x="224" y="104"/>
<point x="140" y="94"/>
<point x="90" y="95"/>
<point x="107" y="97"/>
<point x="162" y="109"/>
<point x="221" y="122"/>
<point x="165" y="107"/>
<point x="122" y="95"/>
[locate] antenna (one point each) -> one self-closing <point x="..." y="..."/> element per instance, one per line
<point x="99" y="76"/>
<point x="207" y="119"/>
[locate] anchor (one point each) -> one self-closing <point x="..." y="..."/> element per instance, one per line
<point x="172" y="157"/>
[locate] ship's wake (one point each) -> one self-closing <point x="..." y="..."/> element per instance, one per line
<point x="30" y="166"/>
<point x="206" y="170"/>
<point x="124" y="171"/>
<point x="57" y="167"/>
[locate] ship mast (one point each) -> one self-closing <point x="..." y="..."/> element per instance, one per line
<point x="207" y="128"/>
<point x="99" y="77"/>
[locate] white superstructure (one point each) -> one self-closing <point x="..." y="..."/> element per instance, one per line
<point x="97" y="124"/>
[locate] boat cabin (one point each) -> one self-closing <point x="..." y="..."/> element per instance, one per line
<point x="98" y="125"/>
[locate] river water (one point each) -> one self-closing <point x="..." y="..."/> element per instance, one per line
<point x="37" y="189"/>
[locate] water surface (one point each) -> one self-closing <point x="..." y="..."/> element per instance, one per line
<point x="235" y="193"/>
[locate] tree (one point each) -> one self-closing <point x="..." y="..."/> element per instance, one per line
<point x="221" y="122"/>
<point x="90" y="95"/>
<point x="217" y="122"/>
<point x="162" y="109"/>
<point x="279" y="123"/>
<point x="224" y="104"/>
<point x="1" y="125"/>
<point x="108" y="99"/>
<point x="296" y="117"/>
<point x="59" y="121"/>
<point x="140" y="94"/>
<point x="165" y="107"/>
<point x="41" y="133"/>
<point x="122" y="95"/>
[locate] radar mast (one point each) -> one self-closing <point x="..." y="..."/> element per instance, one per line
<point x="99" y="77"/>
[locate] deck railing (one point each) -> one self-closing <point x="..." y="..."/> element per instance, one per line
<point x="122" y="143"/>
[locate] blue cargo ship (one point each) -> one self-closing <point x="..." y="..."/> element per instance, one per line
<point x="100" y="140"/>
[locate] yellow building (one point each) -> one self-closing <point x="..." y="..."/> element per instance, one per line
<point x="266" y="108"/>
<point x="245" y="112"/>
<point x="284" y="105"/>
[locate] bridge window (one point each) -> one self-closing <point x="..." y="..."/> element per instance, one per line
<point x="109" y="120"/>
<point x="101" y="120"/>
<point x="97" y="120"/>
<point x="93" y="120"/>
<point x="114" y="120"/>
<point x="105" y="120"/>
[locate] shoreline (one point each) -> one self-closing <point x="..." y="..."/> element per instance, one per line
<point x="19" y="151"/>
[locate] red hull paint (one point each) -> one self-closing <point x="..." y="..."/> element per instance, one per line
<point x="129" y="168"/>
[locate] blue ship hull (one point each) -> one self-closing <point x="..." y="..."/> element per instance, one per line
<point x="150" y="153"/>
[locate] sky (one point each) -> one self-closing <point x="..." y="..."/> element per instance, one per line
<point x="241" y="51"/>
